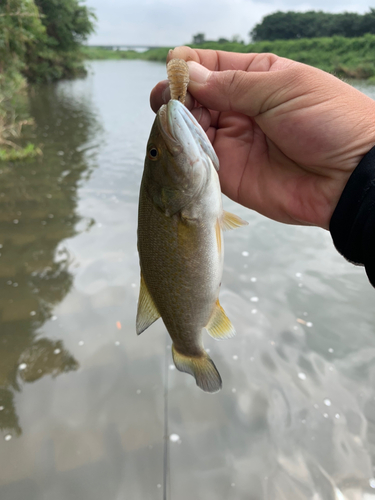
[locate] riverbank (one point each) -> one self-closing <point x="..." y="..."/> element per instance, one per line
<point x="39" y="43"/>
<point x="344" y="57"/>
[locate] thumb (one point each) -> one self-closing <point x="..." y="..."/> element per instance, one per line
<point x="247" y="92"/>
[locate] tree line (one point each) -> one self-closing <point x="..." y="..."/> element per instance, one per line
<point x="41" y="38"/>
<point x="200" y="38"/>
<point x="313" y="24"/>
<point x="39" y="42"/>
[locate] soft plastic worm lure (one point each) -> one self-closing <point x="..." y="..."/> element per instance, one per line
<point x="178" y="76"/>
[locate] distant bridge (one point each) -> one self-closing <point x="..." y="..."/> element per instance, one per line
<point x="137" y="48"/>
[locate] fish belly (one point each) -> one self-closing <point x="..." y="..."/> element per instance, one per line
<point x="182" y="267"/>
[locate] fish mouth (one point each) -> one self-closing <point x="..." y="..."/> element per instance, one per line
<point x="182" y="133"/>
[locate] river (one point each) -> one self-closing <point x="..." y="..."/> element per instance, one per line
<point x="88" y="410"/>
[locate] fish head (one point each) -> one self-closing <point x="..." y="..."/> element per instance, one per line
<point x="179" y="158"/>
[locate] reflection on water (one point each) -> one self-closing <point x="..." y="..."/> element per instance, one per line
<point x="38" y="201"/>
<point x="296" y="417"/>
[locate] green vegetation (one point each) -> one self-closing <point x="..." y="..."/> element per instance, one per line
<point x="313" y="24"/>
<point x="97" y="53"/>
<point x="39" y="42"/>
<point x="344" y="57"/>
<point x="28" y="152"/>
<point x="57" y="53"/>
<point x="200" y="38"/>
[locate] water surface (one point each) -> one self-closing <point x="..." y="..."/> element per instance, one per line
<point x="90" y="411"/>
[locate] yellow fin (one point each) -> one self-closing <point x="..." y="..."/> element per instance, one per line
<point x="202" y="368"/>
<point x="218" y="236"/>
<point x="219" y="325"/>
<point x="231" y="221"/>
<point x="147" y="312"/>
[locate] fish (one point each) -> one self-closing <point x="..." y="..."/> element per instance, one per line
<point x="180" y="241"/>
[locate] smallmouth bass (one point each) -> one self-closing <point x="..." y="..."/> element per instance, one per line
<point x="180" y="244"/>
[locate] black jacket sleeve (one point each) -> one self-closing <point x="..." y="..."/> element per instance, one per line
<point x="352" y="224"/>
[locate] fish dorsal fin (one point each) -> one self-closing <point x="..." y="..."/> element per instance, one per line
<point x="219" y="325"/>
<point x="231" y="221"/>
<point x="147" y="312"/>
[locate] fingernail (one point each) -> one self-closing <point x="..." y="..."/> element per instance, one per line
<point x="166" y="95"/>
<point x="198" y="73"/>
<point x="197" y="113"/>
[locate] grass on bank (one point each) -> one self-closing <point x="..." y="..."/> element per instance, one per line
<point x="99" y="53"/>
<point x="344" y="57"/>
<point x="13" y="118"/>
<point x="12" y="154"/>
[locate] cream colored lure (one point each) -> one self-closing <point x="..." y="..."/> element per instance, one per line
<point x="178" y="76"/>
<point x="180" y="241"/>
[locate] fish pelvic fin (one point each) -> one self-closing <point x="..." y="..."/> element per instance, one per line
<point x="231" y="221"/>
<point x="201" y="367"/>
<point x="147" y="312"/>
<point x="219" y="325"/>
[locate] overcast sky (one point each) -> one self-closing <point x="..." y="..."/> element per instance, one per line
<point x="174" y="22"/>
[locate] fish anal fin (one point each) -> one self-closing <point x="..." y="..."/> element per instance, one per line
<point x="147" y="312"/>
<point x="231" y="221"/>
<point x="201" y="367"/>
<point x="219" y="325"/>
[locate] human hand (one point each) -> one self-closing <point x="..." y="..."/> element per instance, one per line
<point x="288" y="136"/>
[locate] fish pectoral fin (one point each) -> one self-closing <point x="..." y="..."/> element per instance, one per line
<point x="231" y="221"/>
<point x="201" y="367"/>
<point x="147" y="312"/>
<point x="219" y="233"/>
<point x="219" y="325"/>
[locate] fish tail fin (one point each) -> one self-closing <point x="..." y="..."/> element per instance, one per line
<point x="201" y="367"/>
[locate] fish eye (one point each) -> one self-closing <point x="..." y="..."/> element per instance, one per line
<point x="153" y="154"/>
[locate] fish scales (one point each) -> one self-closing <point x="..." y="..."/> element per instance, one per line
<point x="183" y="268"/>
